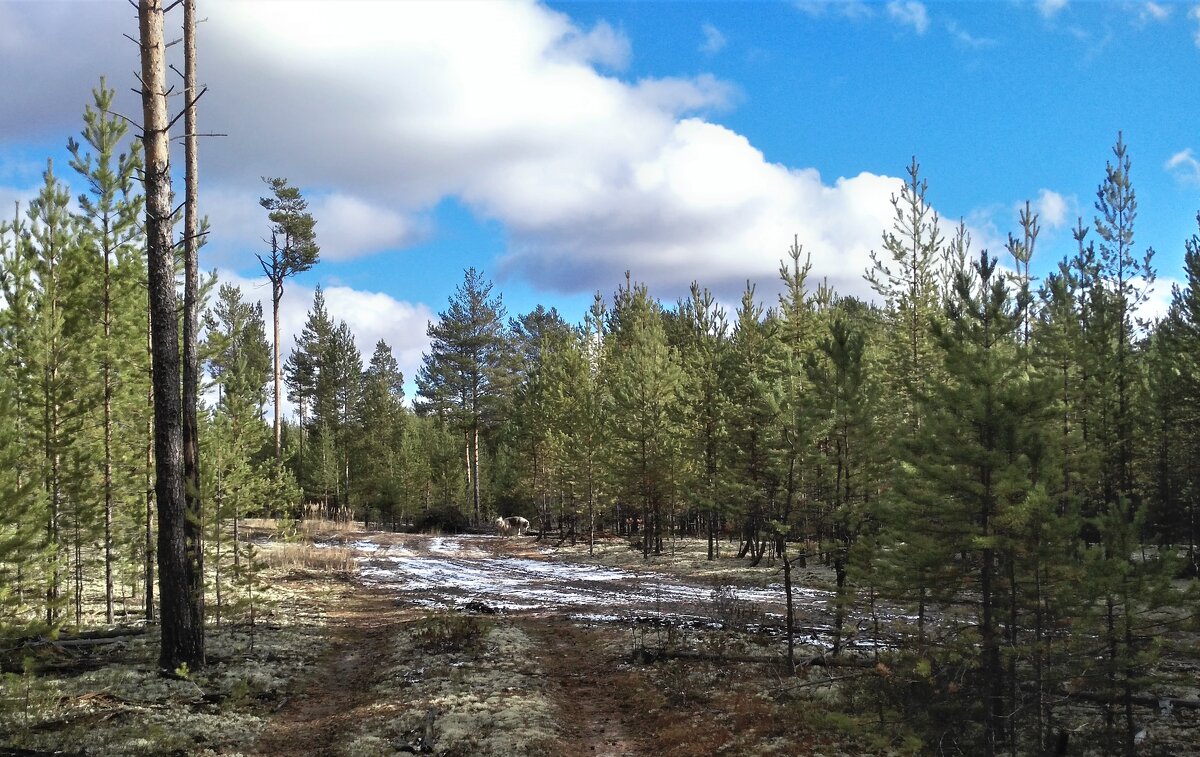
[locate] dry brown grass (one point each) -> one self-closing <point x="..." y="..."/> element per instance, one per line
<point x="307" y="556"/>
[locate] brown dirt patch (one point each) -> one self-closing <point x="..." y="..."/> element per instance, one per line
<point x="327" y="704"/>
<point x="597" y="700"/>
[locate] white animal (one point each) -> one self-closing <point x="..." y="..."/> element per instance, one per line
<point x="515" y="523"/>
<point x="502" y="526"/>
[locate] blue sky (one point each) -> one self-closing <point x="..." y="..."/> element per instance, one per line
<point x="556" y="146"/>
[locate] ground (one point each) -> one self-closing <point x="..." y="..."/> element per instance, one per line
<point x="370" y="643"/>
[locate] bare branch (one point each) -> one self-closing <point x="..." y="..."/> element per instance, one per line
<point x="126" y="36"/>
<point x="183" y="240"/>
<point x="171" y="7"/>
<point x="124" y="118"/>
<point x="200" y="134"/>
<point x="172" y="43"/>
<point x="181" y="113"/>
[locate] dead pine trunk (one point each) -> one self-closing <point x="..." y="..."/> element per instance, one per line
<point x="194" y="523"/>
<point x="182" y="632"/>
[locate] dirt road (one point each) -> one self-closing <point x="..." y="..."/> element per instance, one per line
<point x="556" y="643"/>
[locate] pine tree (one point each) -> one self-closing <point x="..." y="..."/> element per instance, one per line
<point x="382" y="419"/>
<point x="704" y="356"/>
<point x="111" y="210"/>
<point x="644" y="386"/>
<point x="462" y="378"/>
<point x="755" y="394"/>
<point x="182" y="640"/>
<point x="1185" y="343"/>
<point x="339" y="387"/>
<point x="969" y="467"/>
<point x="835" y="372"/>
<point x="61" y="360"/>
<point x="293" y="250"/>
<point x="538" y="338"/>
<point x="301" y="373"/>
<point x="906" y="276"/>
<point x="23" y="541"/>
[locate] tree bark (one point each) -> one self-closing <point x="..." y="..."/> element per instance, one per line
<point x="194" y="524"/>
<point x="182" y="632"/>
<point x="151" y="612"/>
<point x="276" y="297"/>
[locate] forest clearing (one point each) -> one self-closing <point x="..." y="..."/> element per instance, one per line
<point x="760" y="455"/>
<point x="382" y="643"/>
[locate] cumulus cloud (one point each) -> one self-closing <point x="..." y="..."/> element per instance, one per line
<point x="371" y="316"/>
<point x="1053" y="209"/>
<point x="379" y="111"/>
<point x="1184" y="166"/>
<point x="910" y="13"/>
<point x="349" y="227"/>
<point x="714" y="40"/>
<point x="601" y="44"/>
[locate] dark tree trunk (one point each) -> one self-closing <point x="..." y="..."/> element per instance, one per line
<point x="182" y="632"/>
<point x="194" y="524"/>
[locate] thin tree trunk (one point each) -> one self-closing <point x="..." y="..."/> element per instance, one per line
<point x="108" y="481"/>
<point x="475" y="478"/>
<point x="182" y="633"/>
<point x="276" y="297"/>
<point x="791" y="615"/>
<point x="151" y="615"/>
<point x="194" y="523"/>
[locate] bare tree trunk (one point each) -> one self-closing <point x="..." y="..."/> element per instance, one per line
<point x="475" y="478"/>
<point x="182" y="632"/>
<point x="276" y="297"/>
<point x="108" y="478"/>
<point x="194" y="524"/>
<point x="151" y="614"/>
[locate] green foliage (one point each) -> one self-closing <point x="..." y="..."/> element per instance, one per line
<point x="442" y="519"/>
<point x="465" y="373"/>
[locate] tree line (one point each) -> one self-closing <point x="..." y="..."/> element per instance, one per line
<point x="974" y="437"/>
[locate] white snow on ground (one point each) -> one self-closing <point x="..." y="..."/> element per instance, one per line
<point x="456" y="571"/>
<point x="459" y="571"/>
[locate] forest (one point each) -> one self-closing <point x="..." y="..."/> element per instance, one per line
<point x="1012" y="459"/>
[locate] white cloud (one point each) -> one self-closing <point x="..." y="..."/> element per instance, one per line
<point x="909" y="13"/>
<point x="1184" y="166"/>
<point x="966" y="39"/>
<point x="371" y="316"/>
<point x="589" y="174"/>
<point x="714" y="41"/>
<point x="1157" y="302"/>
<point x="349" y="227"/>
<point x="1053" y="209"/>
<point x="1194" y="15"/>
<point x="380" y="111"/>
<point x="1153" y="12"/>
<point x="11" y="197"/>
<point x="602" y="45"/>
<point x="1051" y="8"/>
